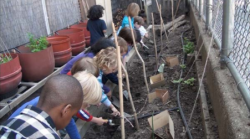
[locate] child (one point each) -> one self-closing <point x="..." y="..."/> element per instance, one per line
<point x="96" y="26"/>
<point x="55" y="108"/>
<point x="138" y="22"/>
<point x="132" y="11"/>
<point x="89" y="65"/>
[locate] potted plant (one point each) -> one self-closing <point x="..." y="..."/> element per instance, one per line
<point x="83" y="26"/>
<point x="10" y="74"/>
<point x="37" y="59"/>
<point x="61" y="48"/>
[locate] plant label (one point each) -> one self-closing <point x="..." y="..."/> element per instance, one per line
<point x="171" y="127"/>
<point x="157" y="80"/>
<point x="159" y="120"/>
<point x="158" y="93"/>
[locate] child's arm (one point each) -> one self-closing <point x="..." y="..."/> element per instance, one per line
<point x="84" y="115"/>
<point x="99" y="121"/>
<point x="107" y="102"/>
<point x="72" y="130"/>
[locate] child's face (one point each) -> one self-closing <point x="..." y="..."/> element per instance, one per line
<point x="108" y="70"/>
<point x="137" y="25"/>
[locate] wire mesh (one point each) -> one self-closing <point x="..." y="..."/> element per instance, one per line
<point x="240" y="53"/>
<point x="217" y="20"/>
<point x="19" y="17"/>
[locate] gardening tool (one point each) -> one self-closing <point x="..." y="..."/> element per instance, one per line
<point x="142" y="43"/>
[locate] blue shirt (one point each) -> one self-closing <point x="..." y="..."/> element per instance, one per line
<point x="125" y="22"/>
<point x="96" y="27"/>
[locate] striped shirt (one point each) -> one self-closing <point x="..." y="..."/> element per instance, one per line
<point x="31" y="123"/>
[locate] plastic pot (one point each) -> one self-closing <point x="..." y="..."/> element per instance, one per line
<point x="83" y="26"/>
<point x="61" y="48"/>
<point x="77" y="39"/>
<point x="36" y="66"/>
<point x="10" y="75"/>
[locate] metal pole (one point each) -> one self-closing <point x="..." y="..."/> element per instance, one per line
<point x="209" y="13"/>
<point x="201" y="7"/>
<point x="227" y="45"/>
<point x="46" y="19"/>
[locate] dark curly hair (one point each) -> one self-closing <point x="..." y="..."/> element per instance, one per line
<point x="95" y="12"/>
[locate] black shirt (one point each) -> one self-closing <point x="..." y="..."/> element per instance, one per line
<point x="96" y="27"/>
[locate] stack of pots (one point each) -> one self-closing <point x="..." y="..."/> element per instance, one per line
<point x="10" y="77"/>
<point x="36" y="65"/>
<point x="61" y="48"/>
<point x="77" y="39"/>
<point x="83" y="26"/>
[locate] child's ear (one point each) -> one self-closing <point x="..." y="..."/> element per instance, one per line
<point x="66" y="110"/>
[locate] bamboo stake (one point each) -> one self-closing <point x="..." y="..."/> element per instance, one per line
<point x="161" y="36"/>
<point x="137" y="52"/>
<point x="130" y="98"/>
<point x="156" y="56"/>
<point x="120" y="83"/>
<point x="161" y="19"/>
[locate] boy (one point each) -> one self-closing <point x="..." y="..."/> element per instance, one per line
<point x="96" y="26"/>
<point x="138" y="22"/>
<point x="53" y="112"/>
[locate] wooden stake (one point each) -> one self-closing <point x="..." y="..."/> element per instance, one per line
<point x="120" y="83"/>
<point x="161" y="34"/>
<point x="156" y="56"/>
<point x="130" y="98"/>
<point x="137" y="52"/>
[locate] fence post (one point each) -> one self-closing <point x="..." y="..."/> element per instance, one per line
<point x="45" y="14"/>
<point x="209" y="13"/>
<point x="227" y="45"/>
<point x="201" y="7"/>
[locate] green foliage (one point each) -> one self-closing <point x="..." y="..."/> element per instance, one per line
<point x="4" y="58"/>
<point x="37" y="45"/>
<point x="183" y="66"/>
<point x="188" y="46"/>
<point x="177" y="81"/>
<point x="189" y="81"/>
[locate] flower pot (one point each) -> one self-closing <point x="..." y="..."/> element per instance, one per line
<point x="38" y="65"/>
<point x="10" y="75"/>
<point x="83" y="26"/>
<point x="61" y="48"/>
<point x="77" y="39"/>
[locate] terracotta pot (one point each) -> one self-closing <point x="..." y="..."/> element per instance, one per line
<point x="10" y="75"/>
<point x="38" y="65"/>
<point x="82" y="26"/>
<point x="77" y="39"/>
<point x="61" y="48"/>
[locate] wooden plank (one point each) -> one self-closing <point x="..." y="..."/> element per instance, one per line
<point x="159" y="120"/>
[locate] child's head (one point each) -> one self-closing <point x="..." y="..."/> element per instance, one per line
<point x="123" y="45"/>
<point x="132" y="9"/>
<point x="102" y="43"/>
<point x="95" y="12"/>
<point x="92" y="90"/>
<point x="61" y="98"/>
<point x="106" y="60"/>
<point x="87" y="64"/>
<point x="125" y="33"/>
<point x="138" y="21"/>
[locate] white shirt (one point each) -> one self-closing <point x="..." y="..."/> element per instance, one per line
<point x="142" y="30"/>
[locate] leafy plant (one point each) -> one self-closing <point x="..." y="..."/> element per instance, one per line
<point x="37" y="45"/>
<point x="177" y="81"/>
<point x="183" y="66"/>
<point x="4" y="58"/>
<point x="189" y="81"/>
<point x="188" y="47"/>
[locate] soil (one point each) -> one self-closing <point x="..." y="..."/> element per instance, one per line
<point x="139" y="93"/>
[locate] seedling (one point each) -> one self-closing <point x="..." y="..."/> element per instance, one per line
<point x="177" y="81"/>
<point x="189" y="81"/>
<point x="4" y="59"/>
<point x="183" y="66"/>
<point x="188" y="47"/>
<point x="37" y="45"/>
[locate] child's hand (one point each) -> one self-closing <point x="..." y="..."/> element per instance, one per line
<point x="115" y="111"/>
<point x="99" y="104"/>
<point x="99" y="121"/>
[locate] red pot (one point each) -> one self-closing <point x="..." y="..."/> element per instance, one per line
<point x="77" y="39"/>
<point x="61" y="48"/>
<point x="10" y="75"/>
<point x="86" y="32"/>
<point x="36" y="66"/>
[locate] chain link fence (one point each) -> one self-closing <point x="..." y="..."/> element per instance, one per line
<point x="240" y="53"/>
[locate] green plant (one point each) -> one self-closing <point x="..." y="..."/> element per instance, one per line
<point x="189" y="81"/>
<point x="183" y="66"/>
<point x="177" y="81"/>
<point x="37" y="45"/>
<point x="188" y="47"/>
<point x="4" y="58"/>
